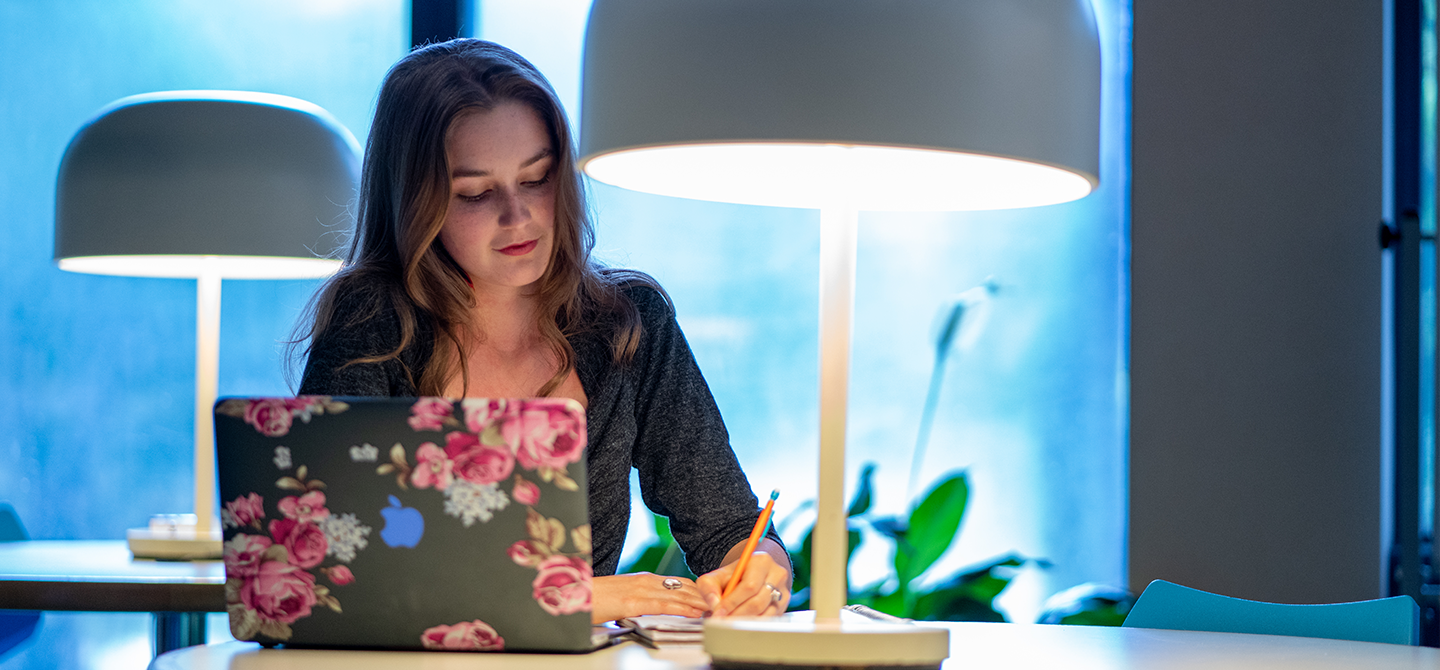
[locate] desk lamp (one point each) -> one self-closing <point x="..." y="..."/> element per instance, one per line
<point x="842" y="105"/>
<point x="205" y="185"/>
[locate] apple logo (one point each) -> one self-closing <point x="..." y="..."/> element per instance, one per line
<point x="403" y="525"/>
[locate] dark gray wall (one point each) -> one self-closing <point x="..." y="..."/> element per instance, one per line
<point x="1256" y="287"/>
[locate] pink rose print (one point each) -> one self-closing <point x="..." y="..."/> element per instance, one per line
<point x="271" y="416"/>
<point x="340" y="575"/>
<point x="432" y="468"/>
<point x="525" y="492"/>
<point x="481" y="412"/>
<point x="279" y="592"/>
<point x="243" y="554"/>
<point x="305" y="542"/>
<point x="549" y="437"/>
<point x="309" y="507"/>
<point x="244" y="510"/>
<point x="563" y="585"/>
<point x="475" y="462"/>
<point x="430" y="413"/>
<point x="524" y="553"/>
<point x="464" y="636"/>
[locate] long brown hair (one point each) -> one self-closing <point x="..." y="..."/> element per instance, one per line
<point x="404" y="195"/>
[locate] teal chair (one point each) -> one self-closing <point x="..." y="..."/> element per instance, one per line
<point x="16" y="626"/>
<point x="1171" y="606"/>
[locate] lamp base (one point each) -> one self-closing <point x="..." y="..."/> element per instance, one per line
<point x="796" y="640"/>
<point x="174" y="537"/>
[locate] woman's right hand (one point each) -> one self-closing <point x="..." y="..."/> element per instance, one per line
<point x="641" y="593"/>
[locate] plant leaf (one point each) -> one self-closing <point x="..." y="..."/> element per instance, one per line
<point x="385" y="469"/>
<point x="301" y="472"/>
<point x="890" y="603"/>
<point x="672" y="564"/>
<point x="852" y="537"/>
<point x="800" y="562"/>
<point x="397" y="455"/>
<point x="656" y="557"/>
<point x="892" y="527"/>
<point x="799" y="600"/>
<point x="662" y="527"/>
<point x="969" y="595"/>
<point x="314" y="484"/>
<point x="289" y="484"/>
<point x="864" y="493"/>
<point x="934" y="523"/>
<point x="647" y="561"/>
<point x="953" y="605"/>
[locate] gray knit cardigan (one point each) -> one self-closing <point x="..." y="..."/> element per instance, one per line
<point x="655" y="414"/>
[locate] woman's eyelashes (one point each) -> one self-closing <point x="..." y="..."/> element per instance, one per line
<point x="485" y="195"/>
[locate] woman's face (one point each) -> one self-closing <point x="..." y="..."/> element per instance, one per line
<point x="500" y="226"/>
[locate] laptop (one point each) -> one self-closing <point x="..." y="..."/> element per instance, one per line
<point x="405" y="523"/>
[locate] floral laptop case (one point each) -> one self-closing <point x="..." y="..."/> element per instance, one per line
<point x="405" y="523"/>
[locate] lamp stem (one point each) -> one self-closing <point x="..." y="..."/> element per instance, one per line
<point x="207" y="373"/>
<point x="838" y="230"/>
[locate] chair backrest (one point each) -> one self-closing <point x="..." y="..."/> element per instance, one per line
<point x="1174" y="607"/>
<point x="11" y="530"/>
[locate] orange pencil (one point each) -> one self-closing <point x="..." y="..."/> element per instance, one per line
<point x="755" y="535"/>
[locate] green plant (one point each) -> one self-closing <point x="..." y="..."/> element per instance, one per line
<point x="922" y="536"/>
<point x="1091" y="604"/>
<point x="662" y="556"/>
<point x="919" y="539"/>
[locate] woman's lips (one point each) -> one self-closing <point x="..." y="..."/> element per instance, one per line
<point x="519" y="249"/>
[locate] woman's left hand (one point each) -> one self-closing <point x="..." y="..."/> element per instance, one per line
<point x="764" y="589"/>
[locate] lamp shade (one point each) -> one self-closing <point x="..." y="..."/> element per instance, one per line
<point x="173" y="184"/>
<point x="881" y="105"/>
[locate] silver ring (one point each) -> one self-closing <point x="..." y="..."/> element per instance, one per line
<point x="671" y="583"/>
<point x="774" y="594"/>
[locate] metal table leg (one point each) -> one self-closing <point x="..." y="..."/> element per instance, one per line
<point x="174" y="630"/>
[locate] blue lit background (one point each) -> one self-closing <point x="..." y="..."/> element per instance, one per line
<point x="1035" y="407"/>
<point x="98" y="372"/>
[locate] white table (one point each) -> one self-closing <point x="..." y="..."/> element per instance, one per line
<point x="973" y="646"/>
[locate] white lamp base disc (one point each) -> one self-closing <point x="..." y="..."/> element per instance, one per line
<point x="173" y="545"/>
<point x="742" y="642"/>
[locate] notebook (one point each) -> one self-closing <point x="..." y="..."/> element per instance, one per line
<point x="666" y="630"/>
<point x="405" y="523"/>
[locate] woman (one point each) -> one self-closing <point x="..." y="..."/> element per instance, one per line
<point x="470" y="275"/>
